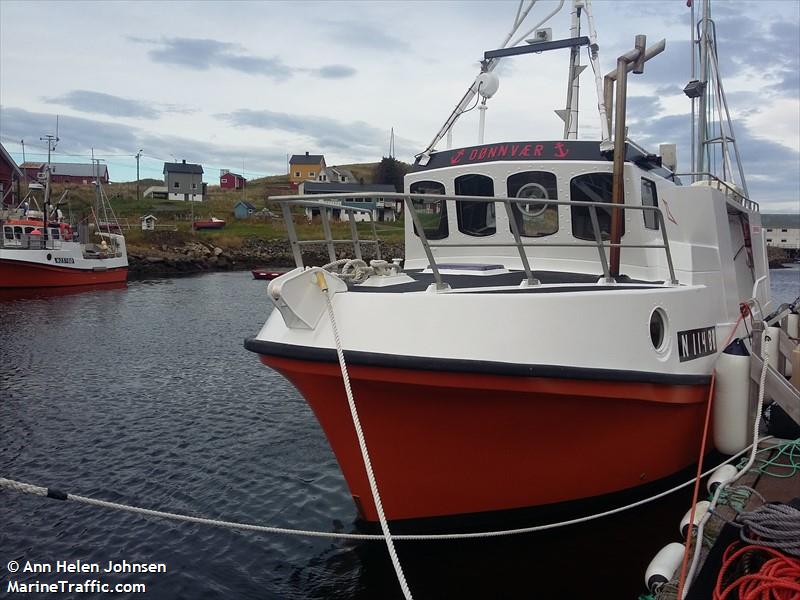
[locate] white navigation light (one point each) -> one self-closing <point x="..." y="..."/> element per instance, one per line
<point x="488" y="83"/>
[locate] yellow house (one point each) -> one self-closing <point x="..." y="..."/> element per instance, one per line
<point x="304" y="167"/>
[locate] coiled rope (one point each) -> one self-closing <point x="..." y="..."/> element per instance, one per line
<point x="773" y="525"/>
<point x="757" y="572"/>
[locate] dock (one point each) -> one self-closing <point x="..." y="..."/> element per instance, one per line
<point x="751" y="531"/>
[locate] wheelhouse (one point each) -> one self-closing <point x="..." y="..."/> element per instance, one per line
<point x="481" y="232"/>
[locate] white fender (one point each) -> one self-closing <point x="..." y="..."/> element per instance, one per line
<point x="699" y="512"/>
<point x="663" y="566"/>
<point x="732" y="399"/>
<point x="722" y="475"/>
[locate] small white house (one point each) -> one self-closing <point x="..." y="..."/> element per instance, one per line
<point x="149" y="223"/>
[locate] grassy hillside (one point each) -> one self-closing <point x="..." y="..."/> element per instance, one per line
<point x="175" y="217"/>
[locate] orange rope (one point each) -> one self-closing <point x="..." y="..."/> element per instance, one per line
<point x="743" y="310"/>
<point x="778" y="578"/>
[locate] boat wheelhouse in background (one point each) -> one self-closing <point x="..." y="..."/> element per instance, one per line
<point x="40" y="249"/>
<point x="561" y="301"/>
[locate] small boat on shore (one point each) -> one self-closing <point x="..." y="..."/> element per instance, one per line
<point x="212" y="223"/>
<point x="552" y="333"/>
<point x="267" y="274"/>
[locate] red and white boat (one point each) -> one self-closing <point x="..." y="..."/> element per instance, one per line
<point x="538" y="346"/>
<point x="266" y="274"/>
<point x="212" y="223"/>
<point x="36" y="252"/>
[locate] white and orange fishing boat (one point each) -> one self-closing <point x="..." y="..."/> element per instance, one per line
<point x="40" y="250"/>
<point x="551" y="334"/>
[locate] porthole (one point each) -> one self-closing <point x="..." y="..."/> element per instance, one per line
<point x="49" y="257"/>
<point x="658" y="329"/>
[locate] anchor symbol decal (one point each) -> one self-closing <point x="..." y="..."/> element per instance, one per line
<point x="456" y="157"/>
<point x="560" y="151"/>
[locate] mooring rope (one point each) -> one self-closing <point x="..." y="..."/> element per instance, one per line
<point x="27" y="488"/>
<point x="373" y="485"/>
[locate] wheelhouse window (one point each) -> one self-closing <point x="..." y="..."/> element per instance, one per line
<point x="475" y="218"/>
<point x="432" y="213"/>
<point x="592" y="187"/>
<point x="649" y="198"/>
<point x="8" y="232"/>
<point x="537" y="218"/>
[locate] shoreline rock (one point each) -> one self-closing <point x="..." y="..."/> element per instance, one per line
<point x="192" y="257"/>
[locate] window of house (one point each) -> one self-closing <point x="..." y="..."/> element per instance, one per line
<point x="537" y="218"/>
<point x="769" y="230"/>
<point x="176" y="185"/>
<point x="475" y="218"/>
<point x="784" y="230"/>
<point x="297" y="173"/>
<point x="784" y="241"/>
<point x="432" y="213"/>
<point x="194" y="186"/>
<point x="311" y="174"/>
<point x="649" y="198"/>
<point x="592" y="187"/>
<point x="769" y="240"/>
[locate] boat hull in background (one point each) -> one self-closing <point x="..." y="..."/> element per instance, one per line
<point x="452" y="443"/>
<point x="28" y="274"/>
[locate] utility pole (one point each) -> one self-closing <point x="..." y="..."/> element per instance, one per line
<point x="24" y="171"/>
<point x="138" y="155"/>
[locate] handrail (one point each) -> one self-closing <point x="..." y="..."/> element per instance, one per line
<point x="323" y="202"/>
<point x="748" y="204"/>
<point x="296" y="243"/>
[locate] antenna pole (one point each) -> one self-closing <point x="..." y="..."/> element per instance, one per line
<point x="138" y="155"/>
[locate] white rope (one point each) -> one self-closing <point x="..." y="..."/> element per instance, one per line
<point x="754" y="450"/>
<point x="27" y="488"/>
<point x="373" y="486"/>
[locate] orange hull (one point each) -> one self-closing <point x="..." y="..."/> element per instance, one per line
<point x="445" y="443"/>
<point x="20" y="274"/>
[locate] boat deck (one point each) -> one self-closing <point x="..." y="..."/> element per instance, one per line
<point x="552" y="281"/>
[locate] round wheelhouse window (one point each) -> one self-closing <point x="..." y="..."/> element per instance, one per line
<point x="658" y="329"/>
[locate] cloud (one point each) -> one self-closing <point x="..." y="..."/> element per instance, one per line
<point x="334" y="72"/>
<point x="766" y="162"/>
<point x="327" y="133"/>
<point x="362" y="35"/>
<point x="79" y="136"/>
<point x="356" y="138"/>
<point x="203" y="54"/>
<point x="105" y="104"/>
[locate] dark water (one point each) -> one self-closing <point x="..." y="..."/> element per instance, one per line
<point x="146" y="396"/>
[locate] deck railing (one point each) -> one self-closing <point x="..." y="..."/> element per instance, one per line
<point x="729" y="190"/>
<point x="327" y="202"/>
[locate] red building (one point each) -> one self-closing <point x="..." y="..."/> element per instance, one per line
<point x="79" y="173"/>
<point x="10" y="174"/>
<point x="231" y="181"/>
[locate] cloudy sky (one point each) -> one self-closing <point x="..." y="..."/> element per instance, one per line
<point x="241" y="85"/>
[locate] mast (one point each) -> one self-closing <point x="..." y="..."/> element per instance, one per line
<point x="714" y="136"/>
<point x="570" y="114"/>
